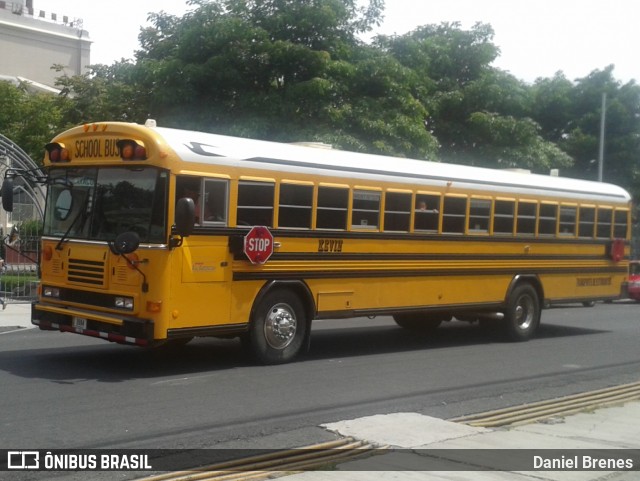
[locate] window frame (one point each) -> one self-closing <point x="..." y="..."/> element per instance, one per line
<point x="308" y="209"/>
<point x="247" y="181"/>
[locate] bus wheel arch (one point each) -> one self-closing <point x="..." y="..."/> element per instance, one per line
<point x="280" y="322"/>
<point x="523" y="307"/>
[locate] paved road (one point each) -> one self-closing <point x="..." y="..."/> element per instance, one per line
<point x="67" y="391"/>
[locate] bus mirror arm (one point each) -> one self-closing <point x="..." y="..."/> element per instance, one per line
<point x="126" y="243"/>
<point x="145" y="284"/>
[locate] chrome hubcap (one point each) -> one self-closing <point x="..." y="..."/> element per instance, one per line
<point x="280" y="326"/>
<point x="524" y="312"/>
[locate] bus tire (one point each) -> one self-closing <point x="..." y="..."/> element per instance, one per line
<point x="522" y="315"/>
<point x="278" y="328"/>
<point x="417" y="322"/>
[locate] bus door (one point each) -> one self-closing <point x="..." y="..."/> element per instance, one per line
<point x="201" y="284"/>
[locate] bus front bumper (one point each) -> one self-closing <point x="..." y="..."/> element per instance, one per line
<point x="113" y="328"/>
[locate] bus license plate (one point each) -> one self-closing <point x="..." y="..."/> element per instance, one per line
<point x="79" y="322"/>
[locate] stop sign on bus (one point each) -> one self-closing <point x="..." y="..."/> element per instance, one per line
<point x="258" y="244"/>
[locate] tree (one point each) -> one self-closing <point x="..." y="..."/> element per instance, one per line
<point x="29" y="119"/>
<point x="105" y="92"/>
<point x="282" y="70"/>
<point x="570" y="115"/>
<point x="480" y="115"/>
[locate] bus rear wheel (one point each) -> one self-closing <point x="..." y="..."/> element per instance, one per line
<point x="278" y="328"/>
<point x="522" y="315"/>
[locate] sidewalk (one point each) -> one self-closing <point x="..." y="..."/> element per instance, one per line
<point x="431" y="449"/>
<point x="15" y="316"/>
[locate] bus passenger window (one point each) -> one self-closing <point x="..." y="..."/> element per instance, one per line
<point x="620" y="226"/>
<point x="527" y="218"/>
<point x="603" y="230"/>
<point x="255" y="203"/>
<point x="333" y="204"/>
<point x="366" y="209"/>
<point x="587" y="221"/>
<point x="454" y="214"/>
<point x="296" y="202"/>
<point x="503" y="217"/>
<point x="548" y="219"/>
<point x="215" y="204"/>
<point x="479" y="215"/>
<point x="427" y="213"/>
<point x="568" y="217"/>
<point x="397" y="211"/>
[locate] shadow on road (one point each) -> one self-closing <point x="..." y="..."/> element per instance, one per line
<point x="114" y="363"/>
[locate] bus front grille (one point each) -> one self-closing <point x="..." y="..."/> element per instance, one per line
<point x="86" y="272"/>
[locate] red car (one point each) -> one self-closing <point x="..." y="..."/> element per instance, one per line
<point x="633" y="285"/>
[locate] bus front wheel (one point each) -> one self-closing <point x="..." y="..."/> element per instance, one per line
<point x="278" y="328"/>
<point x="522" y="315"/>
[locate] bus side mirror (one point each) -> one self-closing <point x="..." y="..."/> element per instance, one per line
<point x="7" y="194"/>
<point x="185" y="216"/>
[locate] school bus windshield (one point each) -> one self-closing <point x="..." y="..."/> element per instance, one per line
<point x="100" y="203"/>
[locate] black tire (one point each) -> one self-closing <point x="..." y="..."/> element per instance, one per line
<point x="278" y="328"/>
<point x="522" y="315"/>
<point x="417" y="322"/>
<point x="589" y="303"/>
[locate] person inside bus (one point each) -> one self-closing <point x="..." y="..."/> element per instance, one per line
<point x="422" y="207"/>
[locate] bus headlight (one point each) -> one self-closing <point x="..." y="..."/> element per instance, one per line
<point x="52" y="292"/>
<point x="124" y="303"/>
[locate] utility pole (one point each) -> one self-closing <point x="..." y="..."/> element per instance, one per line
<point x="602" y="123"/>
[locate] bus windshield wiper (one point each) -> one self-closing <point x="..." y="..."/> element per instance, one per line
<point x="73" y="223"/>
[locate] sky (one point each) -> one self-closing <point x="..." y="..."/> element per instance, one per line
<point x="537" y="38"/>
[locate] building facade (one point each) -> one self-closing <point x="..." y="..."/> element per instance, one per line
<point x="33" y="40"/>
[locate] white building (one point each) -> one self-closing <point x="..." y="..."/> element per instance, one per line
<point x="33" y="40"/>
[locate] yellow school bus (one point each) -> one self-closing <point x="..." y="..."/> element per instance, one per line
<point x="156" y="236"/>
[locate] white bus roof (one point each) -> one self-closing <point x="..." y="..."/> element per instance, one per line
<point x="239" y="152"/>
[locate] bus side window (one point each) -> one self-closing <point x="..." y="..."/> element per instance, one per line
<point x="365" y="210"/>
<point x="333" y="205"/>
<point x="568" y="217"/>
<point x="479" y="215"/>
<point x="620" y="226"/>
<point x="216" y="201"/>
<point x="296" y="204"/>
<point x="454" y="214"/>
<point x="255" y="203"/>
<point x="527" y="218"/>
<point x="603" y="230"/>
<point x="503" y="217"/>
<point x="427" y="214"/>
<point x="397" y="211"/>
<point x="548" y="219"/>
<point x="587" y="221"/>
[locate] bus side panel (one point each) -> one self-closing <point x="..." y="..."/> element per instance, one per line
<point x="200" y="287"/>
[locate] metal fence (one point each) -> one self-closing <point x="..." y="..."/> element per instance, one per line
<point x="19" y="276"/>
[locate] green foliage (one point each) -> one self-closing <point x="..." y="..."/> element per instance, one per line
<point x="29" y="119"/>
<point x="570" y="115"/>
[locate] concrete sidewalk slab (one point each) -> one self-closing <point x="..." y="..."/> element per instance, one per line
<point x="15" y="316"/>
<point x="403" y="430"/>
